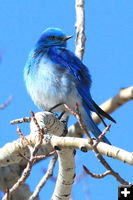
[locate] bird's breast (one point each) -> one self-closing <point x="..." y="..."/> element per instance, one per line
<point x="49" y="84"/>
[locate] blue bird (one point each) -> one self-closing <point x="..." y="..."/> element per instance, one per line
<point x="55" y="75"/>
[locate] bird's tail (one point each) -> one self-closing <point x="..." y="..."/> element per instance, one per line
<point x="90" y="124"/>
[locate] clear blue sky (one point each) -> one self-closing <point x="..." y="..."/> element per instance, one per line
<point x="109" y="56"/>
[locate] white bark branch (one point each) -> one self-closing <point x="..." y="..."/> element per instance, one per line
<point x="116" y="102"/>
<point x="80" y="28"/>
<point x="8" y="154"/>
<point x="103" y="148"/>
<point x="66" y="174"/>
<point x="46" y="120"/>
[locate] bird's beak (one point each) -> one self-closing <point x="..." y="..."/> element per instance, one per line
<point x="67" y="37"/>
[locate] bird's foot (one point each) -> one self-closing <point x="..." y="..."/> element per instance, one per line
<point x="61" y="115"/>
<point x="64" y="119"/>
<point x="57" y="105"/>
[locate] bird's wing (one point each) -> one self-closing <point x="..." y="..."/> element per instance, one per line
<point x="80" y="73"/>
<point x="72" y="63"/>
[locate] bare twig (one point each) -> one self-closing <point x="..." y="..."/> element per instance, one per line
<point x="40" y="130"/>
<point x="40" y="157"/>
<point x="7" y="194"/>
<point x="9" y="175"/>
<point x="108" y="167"/>
<point x="36" y="122"/>
<point x="47" y="175"/>
<point x="2" y="106"/>
<point x="21" y="120"/>
<point x="78" y="116"/>
<point x="8" y="153"/>
<point x="96" y="175"/>
<point x="21" y="136"/>
<point x="102" y="135"/>
<point x="98" y="155"/>
<point x="30" y="161"/>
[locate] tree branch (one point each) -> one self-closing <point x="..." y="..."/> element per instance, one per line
<point x="66" y="174"/>
<point x="116" y="102"/>
<point x="9" y="153"/>
<point x="80" y="28"/>
<point x="9" y="176"/>
<point x="44" y="179"/>
<point x="4" y="105"/>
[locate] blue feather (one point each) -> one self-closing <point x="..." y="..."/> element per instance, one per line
<point x="54" y="75"/>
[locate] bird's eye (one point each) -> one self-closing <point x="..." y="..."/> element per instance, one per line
<point x="53" y="37"/>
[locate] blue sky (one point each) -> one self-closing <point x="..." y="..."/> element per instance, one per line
<point x="109" y="57"/>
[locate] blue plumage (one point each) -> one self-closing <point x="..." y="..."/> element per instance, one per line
<point x="54" y="75"/>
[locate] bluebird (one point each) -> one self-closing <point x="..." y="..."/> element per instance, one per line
<point x="55" y="75"/>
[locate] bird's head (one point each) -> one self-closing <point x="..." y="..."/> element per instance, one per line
<point x="52" y="37"/>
